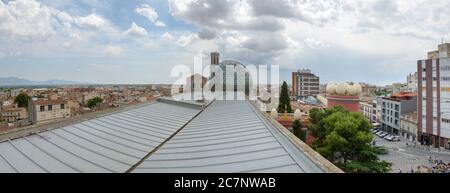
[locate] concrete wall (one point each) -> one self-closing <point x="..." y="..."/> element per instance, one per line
<point x="408" y="106"/>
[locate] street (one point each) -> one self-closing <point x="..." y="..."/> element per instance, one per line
<point x="406" y="157"/>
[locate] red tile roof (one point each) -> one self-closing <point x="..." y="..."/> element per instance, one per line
<point x="403" y="96"/>
<point x="50" y="102"/>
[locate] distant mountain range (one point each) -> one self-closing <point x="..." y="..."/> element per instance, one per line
<point x="14" y="81"/>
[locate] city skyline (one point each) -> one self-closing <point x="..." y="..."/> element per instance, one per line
<point x="138" y="42"/>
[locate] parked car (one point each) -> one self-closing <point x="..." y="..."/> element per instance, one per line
<point x="379" y="133"/>
<point x="395" y="138"/>
<point x="388" y="137"/>
<point x="383" y="135"/>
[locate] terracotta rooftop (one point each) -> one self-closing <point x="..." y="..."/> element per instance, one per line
<point x="49" y="102"/>
<point x="13" y="109"/>
<point x="403" y="96"/>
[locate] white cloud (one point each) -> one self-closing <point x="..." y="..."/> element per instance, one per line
<point x="10" y="54"/>
<point x="315" y="43"/>
<point x="150" y="13"/>
<point x="232" y="26"/>
<point x="136" y="31"/>
<point x="160" y="24"/>
<point x="40" y="30"/>
<point x="91" y="21"/>
<point x="30" y="20"/>
<point x="206" y="34"/>
<point x="113" y="50"/>
<point x="64" y="18"/>
<point x="167" y="36"/>
<point x="376" y="33"/>
<point x="25" y="19"/>
<point x="75" y="36"/>
<point x="66" y="44"/>
<point x="317" y="12"/>
<point x="274" y="29"/>
<point x="185" y="40"/>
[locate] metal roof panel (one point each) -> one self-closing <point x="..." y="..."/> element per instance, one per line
<point x="112" y="143"/>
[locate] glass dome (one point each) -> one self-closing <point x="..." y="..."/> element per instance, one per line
<point x="239" y="81"/>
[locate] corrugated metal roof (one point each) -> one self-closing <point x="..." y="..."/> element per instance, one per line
<point x="228" y="136"/>
<point x="111" y="143"/>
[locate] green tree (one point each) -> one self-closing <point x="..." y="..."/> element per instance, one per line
<point x="297" y="130"/>
<point x="22" y="100"/>
<point x="345" y="138"/>
<point x="285" y="102"/>
<point x="91" y="103"/>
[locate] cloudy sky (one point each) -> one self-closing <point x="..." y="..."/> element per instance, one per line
<point x="117" y="41"/>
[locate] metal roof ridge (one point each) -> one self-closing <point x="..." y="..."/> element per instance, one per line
<point x="133" y="167"/>
<point x="184" y="103"/>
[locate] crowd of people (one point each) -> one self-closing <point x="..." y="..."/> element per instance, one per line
<point x="435" y="166"/>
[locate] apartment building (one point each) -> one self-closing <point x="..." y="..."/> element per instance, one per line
<point x="408" y="126"/>
<point x="368" y="89"/>
<point x="11" y="115"/>
<point x="434" y="97"/>
<point x="369" y="110"/>
<point x="43" y="110"/>
<point x="412" y="82"/>
<point x="305" y="84"/>
<point x="393" y="107"/>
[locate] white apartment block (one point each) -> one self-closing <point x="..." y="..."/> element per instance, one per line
<point x="369" y="111"/>
<point x="434" y="97"/>
<point x="412" y="82"/>
<point x="42" y="110"/>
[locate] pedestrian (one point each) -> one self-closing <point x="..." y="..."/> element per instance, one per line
<point x="399" y="170"/>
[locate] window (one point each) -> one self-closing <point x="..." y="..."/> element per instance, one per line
<point x="445" y="78"/>
<point x="62" y="106"/>
<point x="42" y="108"/>
<point x="445" y="68"/>
<point x="50" y="107"/>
